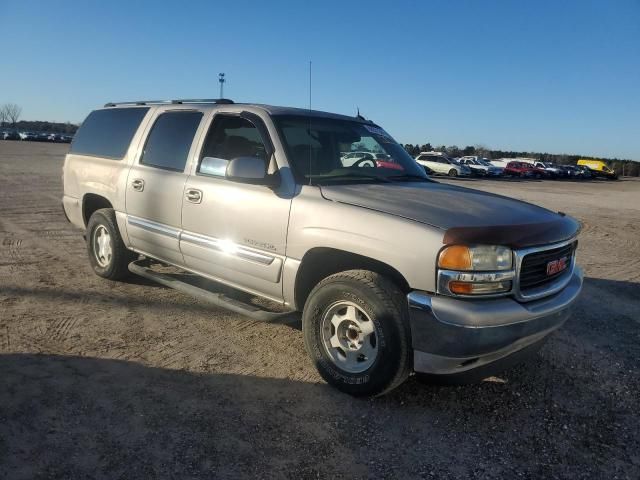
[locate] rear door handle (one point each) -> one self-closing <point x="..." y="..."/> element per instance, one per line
<point x="193" y="195"/>
<point x="138" y="184"/>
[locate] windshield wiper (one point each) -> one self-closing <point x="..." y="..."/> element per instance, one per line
<point x="409" y="177"/>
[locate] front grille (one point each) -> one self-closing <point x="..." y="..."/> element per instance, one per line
<point x="533" y="271"/>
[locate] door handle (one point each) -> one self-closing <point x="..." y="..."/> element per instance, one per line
<point x="138" y="184"/>
<point x="193" y="195"/>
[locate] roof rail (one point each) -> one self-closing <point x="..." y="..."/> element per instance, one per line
<point x="222" y="101"/>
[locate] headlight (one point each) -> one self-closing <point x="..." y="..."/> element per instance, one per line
<point x="476" y="270"/>
<point x="478" y="258"/>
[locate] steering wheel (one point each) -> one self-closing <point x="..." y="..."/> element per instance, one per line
<point x="359" y="163"/>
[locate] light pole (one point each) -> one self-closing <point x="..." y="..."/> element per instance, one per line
<point x="221" y="80"/>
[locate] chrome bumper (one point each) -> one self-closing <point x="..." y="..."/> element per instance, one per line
<point x="452" y="336"/>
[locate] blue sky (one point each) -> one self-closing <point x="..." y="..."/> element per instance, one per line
<point x="561" y="77"/>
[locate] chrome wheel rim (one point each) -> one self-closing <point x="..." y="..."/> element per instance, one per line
<point x="349" y="337"/>
<point x="102" y="250"/>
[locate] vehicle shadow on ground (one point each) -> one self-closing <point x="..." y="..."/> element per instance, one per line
<point x="72" y="417"/>
<point x="575" y="404"/>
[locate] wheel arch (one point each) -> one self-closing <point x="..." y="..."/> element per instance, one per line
<point x="320" y="262"/>
<point x="92" y="202"/>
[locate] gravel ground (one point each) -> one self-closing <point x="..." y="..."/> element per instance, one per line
<point x="132" y="380"/>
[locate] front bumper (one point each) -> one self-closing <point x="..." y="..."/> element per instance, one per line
<point x="455" y="337"/>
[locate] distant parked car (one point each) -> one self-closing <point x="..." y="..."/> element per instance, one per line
<point x="439" y="163"/>
<point x="10" y="135"/>
<point x="598" y="168"/>
<point x="27" y="136"/>
<point x="42" y="137"/>
<point x="357" y="159"/>
<point x="523" y="169"/>
<point x="553" y="171"/>
<point x="480" y="166"/>
<point x="584" y="172"/>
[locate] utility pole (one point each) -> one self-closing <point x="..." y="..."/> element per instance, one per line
<point x="221" y="80"/>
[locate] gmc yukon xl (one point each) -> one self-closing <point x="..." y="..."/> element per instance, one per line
<point x="392" y="271"/>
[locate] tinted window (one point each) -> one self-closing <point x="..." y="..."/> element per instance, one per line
<point x="108" y="133"/>
<point x="170" y="139"/>
<point x="230" y="137"/>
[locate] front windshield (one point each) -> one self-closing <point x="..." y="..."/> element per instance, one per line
<point x="326" y="149"/>
<point x="485" y="163"/>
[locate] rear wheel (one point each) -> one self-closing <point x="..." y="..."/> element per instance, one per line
<point x="453" y="172"/>
<point x="108" y="256"/>
<point x="356" y="330"/>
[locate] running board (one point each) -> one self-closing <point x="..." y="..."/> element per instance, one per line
<point x="217" y="299"/>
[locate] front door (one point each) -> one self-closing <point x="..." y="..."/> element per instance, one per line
<point x="235" y="232"/>
<point x="155" y="185"/>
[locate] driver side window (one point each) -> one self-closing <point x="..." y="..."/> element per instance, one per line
<point x="229" y="137"/>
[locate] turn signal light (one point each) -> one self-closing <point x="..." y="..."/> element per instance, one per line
<point x="455" y="257"/>
<point x="469" y="288"/>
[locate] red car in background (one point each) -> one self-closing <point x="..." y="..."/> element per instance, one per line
<point x="523" y="169"/>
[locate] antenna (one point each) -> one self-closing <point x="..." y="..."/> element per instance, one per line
<point x="309" y="131"/>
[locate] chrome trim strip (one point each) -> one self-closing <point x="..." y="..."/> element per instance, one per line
<point x="153" y="227"/>
<point x="446" y="276"/>
<point x="230" y="248"/>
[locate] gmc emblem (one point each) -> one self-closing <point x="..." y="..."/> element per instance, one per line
<point x="556" y="266"/>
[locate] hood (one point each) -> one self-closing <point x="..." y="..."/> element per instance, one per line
<point x="465" y="215"/>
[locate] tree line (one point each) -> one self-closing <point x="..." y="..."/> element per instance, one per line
<point x="10" y="117"/>
<point x="620" y="166"/>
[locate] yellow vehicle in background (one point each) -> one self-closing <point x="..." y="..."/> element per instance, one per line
<point x="598" y="168"/>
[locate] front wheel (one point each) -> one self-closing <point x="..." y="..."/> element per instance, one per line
<point x="453" y="172"/>
<point x="356" y="330"/>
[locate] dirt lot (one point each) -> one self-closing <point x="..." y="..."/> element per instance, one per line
<point x="132" y="380"/>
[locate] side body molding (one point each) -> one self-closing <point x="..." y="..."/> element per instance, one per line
<point x="245" y="260"/>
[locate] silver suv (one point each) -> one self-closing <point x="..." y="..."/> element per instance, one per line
<point x="392" y="271"/>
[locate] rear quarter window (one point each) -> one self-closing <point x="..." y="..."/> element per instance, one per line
<point x="108" y="133"/>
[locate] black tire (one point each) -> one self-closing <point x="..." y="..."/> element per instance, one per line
<point x="383" y="302"/>
<point x="116" y="268"/>
<point x="453" y="172"/>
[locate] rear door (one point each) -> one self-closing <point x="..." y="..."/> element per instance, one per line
<point x="155" y="185"/>
<point x="235" y="232"/>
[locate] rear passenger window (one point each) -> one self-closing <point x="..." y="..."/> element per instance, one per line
<point x="108" y="133"/>
<point x="170" y="139"/>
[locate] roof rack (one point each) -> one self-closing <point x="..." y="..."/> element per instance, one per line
<point x="222" y="101"/>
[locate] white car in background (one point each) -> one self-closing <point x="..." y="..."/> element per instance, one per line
<point x="481" y="166"/>
<point x="552" y="170"/>
<point x="366" y="159"/>
<point x="439" y="163"/>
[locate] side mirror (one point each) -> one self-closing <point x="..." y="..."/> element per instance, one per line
<point x="214" y="166"/>
<point x="252" y="170"/>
